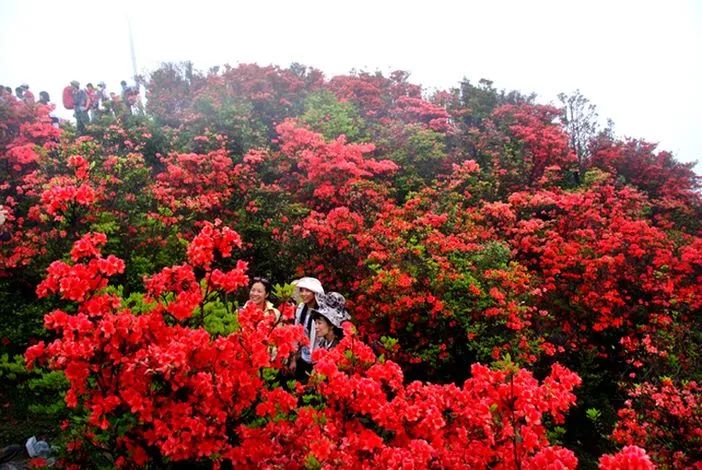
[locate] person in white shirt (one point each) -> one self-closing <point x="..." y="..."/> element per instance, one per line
<point x="306" y="290"/>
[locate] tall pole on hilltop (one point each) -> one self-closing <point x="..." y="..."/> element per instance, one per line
<point x="131" y="48"/>
<point x="140" y="105"/>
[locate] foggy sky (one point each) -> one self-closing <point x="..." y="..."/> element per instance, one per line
<point x="639" y="62"/>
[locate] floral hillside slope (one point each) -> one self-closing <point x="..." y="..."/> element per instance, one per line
<point x="517" y="301"/>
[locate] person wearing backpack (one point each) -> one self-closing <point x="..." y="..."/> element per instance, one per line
<point x="80" y="106"/>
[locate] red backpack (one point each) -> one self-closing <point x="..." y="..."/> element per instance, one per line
<point x="68" y="97"/>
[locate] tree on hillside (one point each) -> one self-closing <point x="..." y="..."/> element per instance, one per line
<point x="580" y="120"/>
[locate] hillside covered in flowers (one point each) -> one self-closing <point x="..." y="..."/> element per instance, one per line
<point x="525" y="288"/>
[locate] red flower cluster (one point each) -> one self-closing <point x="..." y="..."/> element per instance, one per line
<point x="629" y="458"/>
<point x="656" y="414"/>
<point x="210" y="242"/>
<point x="194" y="182"/>
<point x="79" y="281"/>
<point x="59" y="197"/>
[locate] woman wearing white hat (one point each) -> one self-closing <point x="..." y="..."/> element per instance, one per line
<point x="306" y="290"/>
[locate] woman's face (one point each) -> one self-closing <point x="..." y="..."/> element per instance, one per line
<point x="307" y="296"/>
<point x="322" y="327"/>
<point x="258" y="293"/>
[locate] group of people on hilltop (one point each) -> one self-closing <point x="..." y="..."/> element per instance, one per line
<point x="24" y="94"/>
<point x="320" y="314"/>
<point x="89" y="104"/>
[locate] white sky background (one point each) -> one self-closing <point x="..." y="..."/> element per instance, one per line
<point x="639" y="62"/>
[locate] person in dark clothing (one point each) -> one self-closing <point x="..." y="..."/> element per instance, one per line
<point x="44" y="98"/>
<point x="80" y="107"/>
<point x="27" y="95"/>
<point x="127" y="96"/>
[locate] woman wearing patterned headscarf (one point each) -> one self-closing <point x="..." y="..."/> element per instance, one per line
<point x="328" y="320"/>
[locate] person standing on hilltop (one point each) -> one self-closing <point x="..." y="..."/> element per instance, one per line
<point x="27" y="95"/>
<point x="80" y="106"/>
<point x="92" y="100"/>
<point x="129" y="96"/>
<point x="104" y="105"/>
<point x="6" y="93"/>
<point x="45" y="100"/>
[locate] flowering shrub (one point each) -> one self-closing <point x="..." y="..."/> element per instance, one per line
<point x="655" y="414"/>
<point x="154" y="388"/>
<point x="631" y="457"/>
<point x="478" y="258"/>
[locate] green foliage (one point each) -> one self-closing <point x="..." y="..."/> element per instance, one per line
<point x="494" y="255"/>
<point x="220" y="318"/>
<point x="325" y="114"/>
<point x="135" y="301"/>
<point x="593" y="414"/>
<point x="481" y="100"/>
<point x="276" y="213"/>
<point x="229" y="116"/>
<point x="555" y="435"/>
<point x="31" y="402"/>
<point x="11" y="369"/>
<point x="506" y="364"/>
<point x="589" y="424"/>
<point x="283" y="292"/>
<point x="594" y="176"/>
<point x="21" y="313"/>
<point x="421" y="155"/>
<point x="388" y="342"/>
<point x="311" y="462"/>
<point x="467" y="297"/>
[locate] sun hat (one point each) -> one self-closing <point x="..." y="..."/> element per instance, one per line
<point x="332" y="306"/>
<point x="75" y="83"/>
<point x="309" y="283"/>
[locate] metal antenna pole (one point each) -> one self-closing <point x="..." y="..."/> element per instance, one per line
<point x="140" y="104"/>
<point x="131" y="47"/>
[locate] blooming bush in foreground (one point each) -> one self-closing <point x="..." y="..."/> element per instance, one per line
<point x="156" y="386"/>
